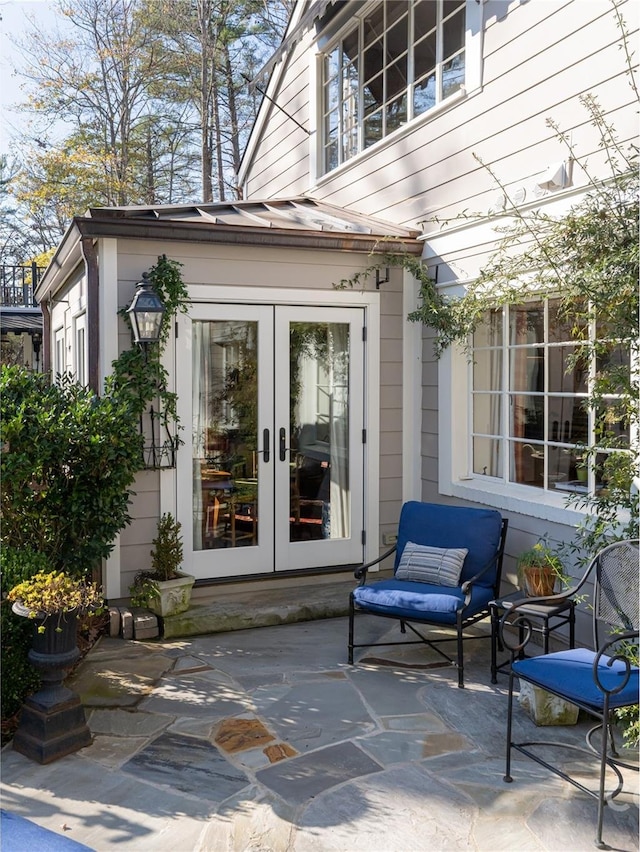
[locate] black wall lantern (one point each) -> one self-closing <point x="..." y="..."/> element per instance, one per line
<point x="145" y="312"/>
<point x="36" y="343"/>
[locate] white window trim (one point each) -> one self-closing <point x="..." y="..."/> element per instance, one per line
<point x="80" y="324"/>
<point x="59" y="351"/>
<point x="454" y="415"/>
<point x="455" y="479"/>
<point x="472" y="85"/>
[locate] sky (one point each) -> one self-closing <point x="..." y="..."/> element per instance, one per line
<point x="15" y="16"/>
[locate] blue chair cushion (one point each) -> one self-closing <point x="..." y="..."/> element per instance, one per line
<point x="437" y="525"/>
<point x="415" y="601"/>
<point x="570" y="675"/>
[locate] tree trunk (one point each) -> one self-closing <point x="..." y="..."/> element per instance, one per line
<point x="233" y="115"/>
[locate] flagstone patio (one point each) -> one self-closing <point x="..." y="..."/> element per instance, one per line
<point x="265" y="739"/>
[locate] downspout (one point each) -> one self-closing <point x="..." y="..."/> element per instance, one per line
<point x="93" y="313"/>
<point x="45" y="307"/>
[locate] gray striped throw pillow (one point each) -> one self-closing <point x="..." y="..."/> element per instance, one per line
<point x="440" y="566"/>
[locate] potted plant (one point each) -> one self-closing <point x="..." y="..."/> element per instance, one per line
<point x="52" y="722"/>
<point x="54" y="600"/>
<point x="165" y="590"/>
<point x="539" y="570"/>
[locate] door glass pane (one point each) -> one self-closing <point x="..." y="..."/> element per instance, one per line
<point x="225" y="410"/>
<point x="320" y="504"/>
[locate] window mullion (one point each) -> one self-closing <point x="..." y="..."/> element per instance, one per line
<point x="546" y="385"/>
<point x="439" y="50"/>
<point x="591" y="430"/>
<point x="360" y="105"/>
<point x="410" y="60"/>
<point x="506" y="397"/>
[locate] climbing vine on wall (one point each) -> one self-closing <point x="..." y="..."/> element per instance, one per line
<point x="139" y="375"/>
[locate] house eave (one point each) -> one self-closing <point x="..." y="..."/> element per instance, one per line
<point x="202" y="232"/>
<point x="66" y="258"/>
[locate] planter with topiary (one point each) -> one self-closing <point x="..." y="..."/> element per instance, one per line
<point x="165" y="589"/>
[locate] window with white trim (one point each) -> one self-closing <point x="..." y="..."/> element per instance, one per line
<point x="80" y="349"/>
<point x="529" y="413"/>
<point x="59" y="365"/>
<point x="399" y="60"/>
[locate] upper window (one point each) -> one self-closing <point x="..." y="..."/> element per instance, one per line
<point x="398" y="61"/>
<point x="530" y="387"/>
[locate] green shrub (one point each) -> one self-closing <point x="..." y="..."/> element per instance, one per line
<point x="19" y="678"/>
<point x="69" y="458"/>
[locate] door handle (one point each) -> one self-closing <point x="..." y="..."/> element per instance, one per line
<point x="283" y="444"/>
<point x="266" y="452"/>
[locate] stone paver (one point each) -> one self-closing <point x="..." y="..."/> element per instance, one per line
<point x="234" y="735"/>
<point x="267" y="741"/>
<point x="303" y="778"/>
<point x="187" y="765"/>
<point x="313" y="714"/>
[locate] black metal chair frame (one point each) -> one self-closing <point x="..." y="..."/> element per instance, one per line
<point x="461" y="624"/>
<point x="608" y="757"/>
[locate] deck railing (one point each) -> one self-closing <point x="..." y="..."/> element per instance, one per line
<point x="17" y="284"/>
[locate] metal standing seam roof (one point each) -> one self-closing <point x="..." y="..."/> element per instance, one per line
<point x="298" y="214"/>
<point x="19" y="320"/>
<point x="296" y="223"/>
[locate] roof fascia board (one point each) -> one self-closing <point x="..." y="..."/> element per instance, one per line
<point x="203" y="232"/>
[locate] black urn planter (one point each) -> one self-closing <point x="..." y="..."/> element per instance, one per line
<point x="52" y="722"/>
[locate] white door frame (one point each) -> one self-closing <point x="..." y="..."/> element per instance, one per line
<point x="301" y="554"/>
<point x="370" y="301"/>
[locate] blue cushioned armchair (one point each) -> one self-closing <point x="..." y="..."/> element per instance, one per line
<point x="597" y="681"/>
<point x="435" y="581"/>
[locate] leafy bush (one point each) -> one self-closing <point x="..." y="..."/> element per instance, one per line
<point x="19" y="678"/>
<point x="68" y="461"/>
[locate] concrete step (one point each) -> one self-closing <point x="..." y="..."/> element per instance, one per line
<point x="218" y="609"/>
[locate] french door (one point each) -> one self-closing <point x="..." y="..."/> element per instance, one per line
<point x="270" y="477"/>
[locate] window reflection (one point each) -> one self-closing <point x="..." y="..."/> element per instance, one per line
<point x="400" y="60"/>
<point x="545" y="387"/>
<point x="225" y="399"/>
<point x="320" y="506"/>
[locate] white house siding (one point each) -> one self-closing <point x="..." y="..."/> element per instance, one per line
<point x="391" y="320"/>
<point x="135" y="540"/>
<point x="279" y="131"/>
<point x="538" y="59"/>
<point x="253" y="267"/>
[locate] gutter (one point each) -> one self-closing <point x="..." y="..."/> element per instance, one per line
<point x="206" y="232"/>
<point x="93" y="312"/>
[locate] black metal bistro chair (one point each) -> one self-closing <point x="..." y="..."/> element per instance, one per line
<point x="598" y="681"/>
<point x="448" y="566"/>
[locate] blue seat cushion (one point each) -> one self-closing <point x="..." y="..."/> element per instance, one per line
<point x="438" y="525"/>
<point x="570" y="674"/>
<point x="416" y="601"/>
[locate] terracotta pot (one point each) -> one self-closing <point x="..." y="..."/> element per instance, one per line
<point x="539" y="581"/>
